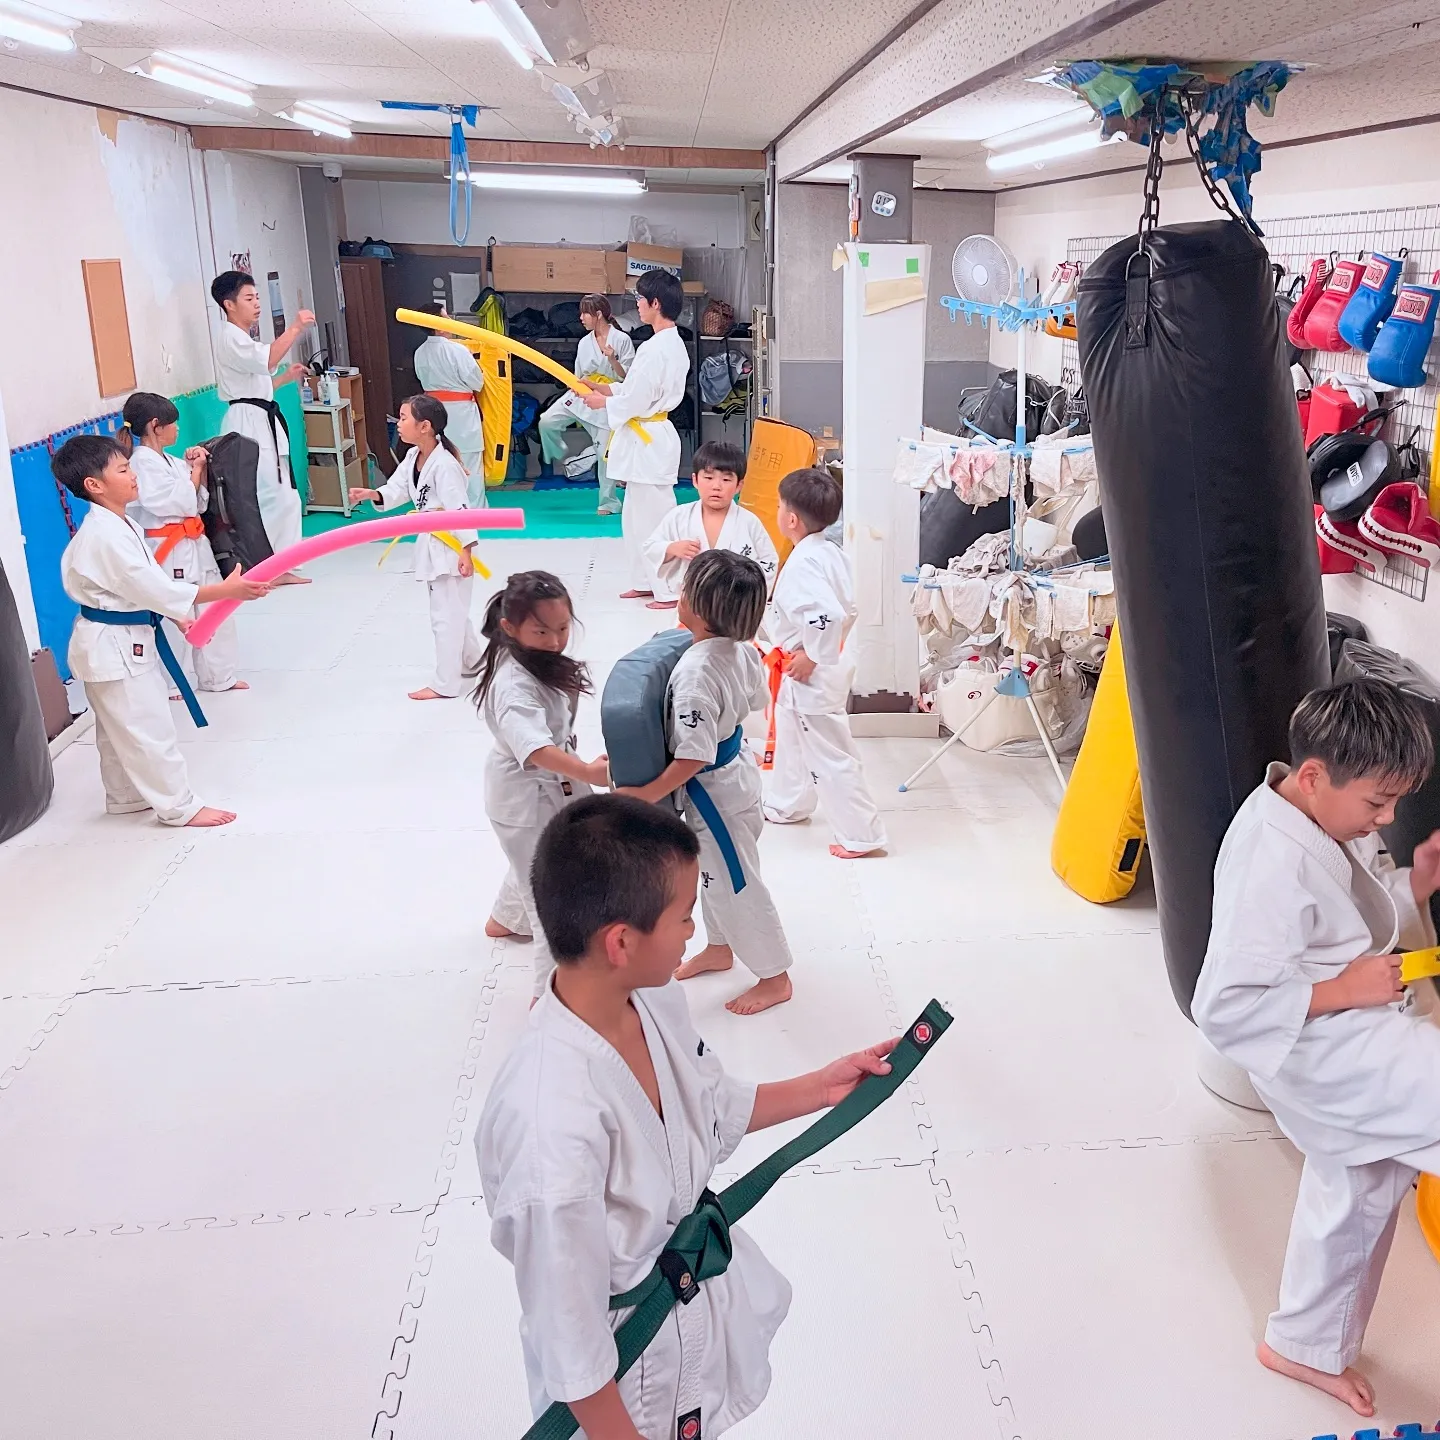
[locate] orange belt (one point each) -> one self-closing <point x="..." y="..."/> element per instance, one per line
<point x="455" y="395"/>
<point x="775" y="663"/>
<point x="169" y="536"/>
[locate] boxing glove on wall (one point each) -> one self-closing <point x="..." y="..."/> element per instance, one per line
<point x="1372" y="302"/>
<point x="1305" y="302"/>
<point x="1322" y="328"/>
<point x="1398" y="355"/>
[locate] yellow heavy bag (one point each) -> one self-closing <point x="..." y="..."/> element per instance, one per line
<point x="775" y="450"/>
<point x="1100" y="832"/>
<point x="495" y="401"/>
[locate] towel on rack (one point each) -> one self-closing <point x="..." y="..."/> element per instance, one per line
<point x="920" y="466"/>
<point x="1047" y="464"/>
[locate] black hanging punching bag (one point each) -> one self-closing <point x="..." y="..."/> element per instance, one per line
<point x="26" y="779"/>
<point x="1210" y="524"/>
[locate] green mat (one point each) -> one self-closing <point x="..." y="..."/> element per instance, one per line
<point x="549" y="514"/>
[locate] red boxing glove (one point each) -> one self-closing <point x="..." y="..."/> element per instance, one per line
<point x="1305" y="303"/>
<point x="1322" y="329"/>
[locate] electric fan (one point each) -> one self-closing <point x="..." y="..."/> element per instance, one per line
<point x="984" y="271"/>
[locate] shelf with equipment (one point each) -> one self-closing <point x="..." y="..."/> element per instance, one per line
<point x="335" y="460"/>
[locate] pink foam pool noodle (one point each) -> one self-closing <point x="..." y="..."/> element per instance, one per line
<point x="387" y="527"/>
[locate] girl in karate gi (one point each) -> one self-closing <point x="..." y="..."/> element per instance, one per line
<point x="716" y="683"/>
<point x="713" y="522"/>
<point x="605" y="1124"/>
<point x="1301" y="987"/>
<point x="605" y="353"/>
<point x="814" y="606"/>
<point x="432" y="477"/>
<point x="108" y="569"/>
<point x="645" y="447"/>
<point x="528" y="692"/>
<point x="172" y="497"/>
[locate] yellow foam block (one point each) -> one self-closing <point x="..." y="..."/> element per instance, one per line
<point x="1100" y="832"/>
<point x="775" y="450"/>
<point x="1419" y="965"/>
<point x="495" y="410"/>
<point x="1427" y="1211"/>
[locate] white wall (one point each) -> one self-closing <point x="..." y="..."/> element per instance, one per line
<point x="1395" y="168"/>
<point x="418" y="213"/>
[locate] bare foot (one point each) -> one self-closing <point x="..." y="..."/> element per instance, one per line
<point x="239" y="685"/>
<point x="291" y="577"/>
<point x="706" y="962"/>
<point x="636" y="594"/>
<point x="428" y="694"/>
<point x="496" y="931"/>
<point x="841" y="853"/>
<point x="662" y="604"/>
<point x="207" y="817"/>
<point x="761" y="996"/>
<point x="1351" y="1387"/>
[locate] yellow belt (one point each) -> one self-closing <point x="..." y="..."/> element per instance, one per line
<point x="638" y="424"/>
<point x="445" y="538"/>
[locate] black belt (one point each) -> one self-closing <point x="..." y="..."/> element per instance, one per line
<point x="277" y="417"/>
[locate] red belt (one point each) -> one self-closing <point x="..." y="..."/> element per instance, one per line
<point x="169" y="536"/>
<point x="775" y="663"/>
<point x="453" y="395"/>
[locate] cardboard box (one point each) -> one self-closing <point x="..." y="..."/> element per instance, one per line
<point x="319" y="426"/>
<point x="640" y="258"/>
<point x="330" y="480"/>
<point x="615" y="261"/>
<point x="548" y="269"/>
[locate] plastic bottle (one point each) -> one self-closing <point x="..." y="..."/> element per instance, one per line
<point x="307" y="395"/>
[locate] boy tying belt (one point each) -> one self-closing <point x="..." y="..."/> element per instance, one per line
<point x="1301" y="988"/>
<point x="604" y="1126"/>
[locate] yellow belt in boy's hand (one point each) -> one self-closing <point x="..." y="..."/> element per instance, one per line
<point x="445" y="538"/>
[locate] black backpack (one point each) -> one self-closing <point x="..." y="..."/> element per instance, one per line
<point x="232" y="517"/>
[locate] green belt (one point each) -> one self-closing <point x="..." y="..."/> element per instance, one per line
<point x="700" y="1247"/>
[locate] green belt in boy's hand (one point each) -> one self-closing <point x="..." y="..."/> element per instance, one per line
<point x="700" y="1247"/>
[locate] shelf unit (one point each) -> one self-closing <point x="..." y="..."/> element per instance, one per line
<point x="335" y="462"/>
<point x="745" y="414"/>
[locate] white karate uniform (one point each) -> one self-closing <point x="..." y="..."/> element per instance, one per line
<point x="655" y="385"/>
<point x="108" y="566"/>
<point x="741" y="532"/>
<point x="714" y="686"/>
<point x="242" y="371"/>
<point x="167" y="495"/>
<point x="524" y="715"/>
<point x="815" y="755"/>
<point x="1358" y="1091"/>
<point x="440" y="485"/>
<point x="570" y="409"/>
<point x="585" y="1183"/>
<point x="445" y="364"/>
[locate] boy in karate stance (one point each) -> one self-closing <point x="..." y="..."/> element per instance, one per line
<point x="107" y="569"/>
<point x="604" y="1126"/>
<point x="1301" y="987"/>
<point x="713" y="522"/>
<point x="810" y="616"/>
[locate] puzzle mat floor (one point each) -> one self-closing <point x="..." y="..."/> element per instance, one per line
<point x="238" y="1192"/>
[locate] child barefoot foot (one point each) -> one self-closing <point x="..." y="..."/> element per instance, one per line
<point x="239" y="685"/>
<point x="1351" y="1387"/>
<point x="706" y="962"/>
<point x="636" y="594"/>
<point x="761" y="996"/>
<point x="428" y="694"/>
<point x="496" y="931"/>
<point x="207" y="817"/>
<point x="841" y="853"/>
<point x="292" y="577"/>
<point x="662" y="605"/>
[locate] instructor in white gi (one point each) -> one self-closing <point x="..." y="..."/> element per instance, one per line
<point x="449" y="372"/>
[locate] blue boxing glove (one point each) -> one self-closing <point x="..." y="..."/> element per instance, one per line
<point x="1372" y="301"/>
<point x="1398" y="356"/>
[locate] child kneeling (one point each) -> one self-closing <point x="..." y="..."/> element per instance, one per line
<point x="604" y="1127"/>
<point x="1301" y="988"/>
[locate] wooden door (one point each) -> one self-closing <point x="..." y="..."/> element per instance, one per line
<point x="367" y="331"/>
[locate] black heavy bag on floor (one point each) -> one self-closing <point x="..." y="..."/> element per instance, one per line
<point x="233" y="523"/>
<point x="26" y="779"/>
<point x="1210" y="525"/>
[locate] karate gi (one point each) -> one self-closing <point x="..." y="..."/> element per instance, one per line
<point x="167" y="497"/>
<point x="1358" y="1091"/>
<point x="243" y="375"/>
<point x="440" y="485"/>
<point x="524" y="715"/>
<point x="654" y="386"/>
<point x="584" y="1183"/>
<point x="741" y="532"/>
<point x="108" y="566"/>
<point x="445" y="368"/>
<point x="570" y="409"/>
<point x="714" y="686"/>
<point x="815" y="756"/>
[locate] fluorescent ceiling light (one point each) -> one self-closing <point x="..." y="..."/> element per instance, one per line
<point x="1076" y="118"/>
<point x="1037" y="155"/>
<point x="185" y="75"/>
<point x="494" y="26"/>
<point x="517" y="25"/>
<point x="320" y="121"/>
<point x="38" y="27"/>
<point x="558" y="184"/>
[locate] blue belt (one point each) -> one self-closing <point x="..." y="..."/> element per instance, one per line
<point x="725" y="752"/>
<point x="162" y="648"/>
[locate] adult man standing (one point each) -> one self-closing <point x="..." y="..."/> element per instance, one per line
<point x="449" y="372"/>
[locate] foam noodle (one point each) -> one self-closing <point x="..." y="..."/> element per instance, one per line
<point x="477" y="336"/>
<point x="388" y="527"/>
